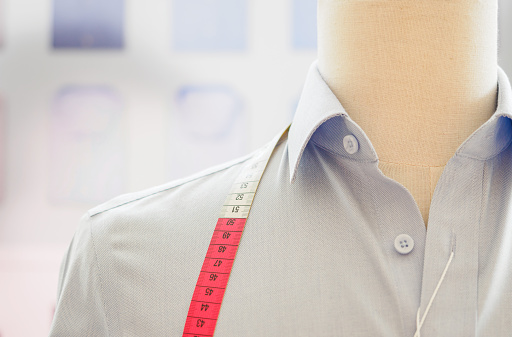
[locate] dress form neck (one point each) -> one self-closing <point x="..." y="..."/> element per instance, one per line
<point x="419" y="77"/>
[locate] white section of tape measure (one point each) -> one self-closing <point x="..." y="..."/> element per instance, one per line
<point x="244" y="187"/>
<point x="244" y="199"/>
<point x="239" y="200"/>
<point x="234" y="212"/>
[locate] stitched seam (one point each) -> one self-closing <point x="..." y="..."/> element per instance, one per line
<point x="486" y="164"/>
<point x="99" y="277"/>
<point x="377" y="218"/>
<point x="168" y="188"/>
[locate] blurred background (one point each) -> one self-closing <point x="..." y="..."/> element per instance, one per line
<point x="104" y="97"/>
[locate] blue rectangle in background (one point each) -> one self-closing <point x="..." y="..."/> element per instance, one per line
<point x="88" y="23"/>
<point x="206" y="25"/>
<point x="304" y="24"/>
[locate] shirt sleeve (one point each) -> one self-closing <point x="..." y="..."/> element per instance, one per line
<point x="80" y="309"/>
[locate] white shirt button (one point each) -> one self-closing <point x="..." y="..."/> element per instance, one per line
<point x="350" y="143"/>
<point x="404" y="244"/>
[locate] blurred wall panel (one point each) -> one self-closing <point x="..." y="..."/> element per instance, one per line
<point x="88" y="23"/>
<point x="505" y="36"/>
<point x="3" y="145"/>
<point x="200" y="25"/>
<point x="87" y="145"/>
<point x="208" y="127"/>
<point x="304" y="24"/>
<point x="28" y="290"/>
<point x="2" y="26"/>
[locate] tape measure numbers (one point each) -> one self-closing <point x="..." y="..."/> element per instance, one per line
<point x="214" y="275"/>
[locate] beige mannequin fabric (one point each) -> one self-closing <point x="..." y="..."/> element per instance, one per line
<point x="419" y="77"/>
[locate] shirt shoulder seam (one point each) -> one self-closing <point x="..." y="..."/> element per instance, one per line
<point x="170" y="185"/>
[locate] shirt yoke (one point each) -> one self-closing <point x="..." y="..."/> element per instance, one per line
<point x="127" y="198"/>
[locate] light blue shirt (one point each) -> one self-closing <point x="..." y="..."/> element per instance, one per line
<point x="332" y="247"/>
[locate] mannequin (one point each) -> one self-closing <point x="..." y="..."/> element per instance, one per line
<point x="419" y="77"/>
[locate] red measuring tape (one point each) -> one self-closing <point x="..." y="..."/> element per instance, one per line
<point x="214" y="275"/>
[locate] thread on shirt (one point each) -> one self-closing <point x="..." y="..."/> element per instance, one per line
<point x="419" y="323"/>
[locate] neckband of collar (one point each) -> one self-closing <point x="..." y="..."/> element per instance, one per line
<point x="318" y="105"/>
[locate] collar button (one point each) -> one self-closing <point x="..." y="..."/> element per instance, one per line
<point x="350" y="143"/>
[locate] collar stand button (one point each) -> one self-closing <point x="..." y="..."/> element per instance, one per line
<point x="350" y="143"/>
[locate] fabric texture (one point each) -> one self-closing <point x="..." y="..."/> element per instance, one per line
<point x="317" y="256"/>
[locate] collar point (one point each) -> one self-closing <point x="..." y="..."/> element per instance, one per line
<point x="292" y="180"/>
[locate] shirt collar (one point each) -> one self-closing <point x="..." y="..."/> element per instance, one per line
<point x="318" y="106"/>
